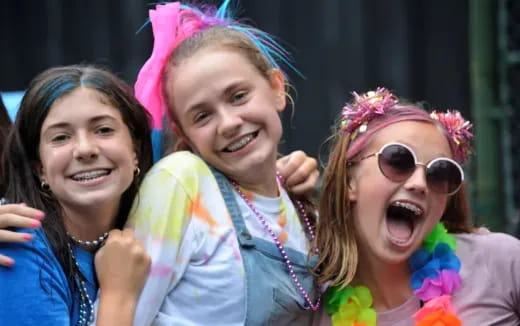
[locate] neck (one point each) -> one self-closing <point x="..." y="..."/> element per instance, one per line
<point x="388" y="283"/>
<point x="89" y="223"/>
<point x="262" y="182"/>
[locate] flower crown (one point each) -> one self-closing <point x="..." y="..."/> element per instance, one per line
<point x="355" y="117"/>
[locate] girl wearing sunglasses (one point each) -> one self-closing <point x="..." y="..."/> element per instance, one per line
<point x="394" y="241"/>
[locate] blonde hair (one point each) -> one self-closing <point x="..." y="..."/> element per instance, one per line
<point x="216" y="36"/>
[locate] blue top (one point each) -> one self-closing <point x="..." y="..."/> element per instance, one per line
<point x="35" y="291"/>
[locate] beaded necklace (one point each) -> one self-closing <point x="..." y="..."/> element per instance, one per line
<point x="86" y="306"/>
<point x="435" y="276"/>
<point x="90" y="244"/>
<point x="263" y="221"/>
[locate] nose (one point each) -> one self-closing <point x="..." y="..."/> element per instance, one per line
<point x="417" y="181"/>
<point x="86" y="147"/>
<point x="229" y="122"/>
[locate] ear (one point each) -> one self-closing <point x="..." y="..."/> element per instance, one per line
<point x="176" y="129"/>
<point x="352" y="189"/>
<point x="182" y="139"/>
<point x="38" y="170"/>
<point x="136" y="160"/>
<point x="277" y="81"/>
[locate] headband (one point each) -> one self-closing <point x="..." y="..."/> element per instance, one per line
<point x="172" y="23"/>
<point x="355" y="117"/>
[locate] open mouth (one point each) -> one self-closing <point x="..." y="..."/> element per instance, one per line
<point x="241" y="143"/>
<point x="90" y="175"/>
<point x="401" y="221"/>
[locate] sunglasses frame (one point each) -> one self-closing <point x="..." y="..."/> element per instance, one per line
<point x="426" y="166"/>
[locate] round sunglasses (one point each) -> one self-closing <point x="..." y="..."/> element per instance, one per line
<point x="397" y="163"/>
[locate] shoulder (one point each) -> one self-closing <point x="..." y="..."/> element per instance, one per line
<point x="489" y="242"/>
<point x="499" y="251"/>
<point x="180" y="163"/>
<point x="36" y="283"/>
<point x="35" y="266"/>
<point x="36" y="249"/>
<point x="183" y="170"/>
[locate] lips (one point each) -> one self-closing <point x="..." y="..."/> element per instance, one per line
<point x="90" y="175"/>
<point x="402" y="218"/>
<point x="241" y="142"/>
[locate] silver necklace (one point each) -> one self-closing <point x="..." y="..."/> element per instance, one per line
<point x="86" y="306"/>
<point x="89" y="244"/>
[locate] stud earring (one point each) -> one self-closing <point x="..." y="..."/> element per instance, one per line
<point x="45" y="186"/>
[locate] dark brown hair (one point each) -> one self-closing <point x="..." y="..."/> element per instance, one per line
<point x="22" y="155"/>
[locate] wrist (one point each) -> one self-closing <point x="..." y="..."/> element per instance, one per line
<point x="116" y="307"/>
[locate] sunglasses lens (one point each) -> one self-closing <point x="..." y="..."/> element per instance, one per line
<point x="396" y="162"/>
<point x="443" y="176"/>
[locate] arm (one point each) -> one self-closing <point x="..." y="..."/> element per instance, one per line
<point x="121" y="267"/>
<point x="35" y="291"/>
<point x="160" y="218"/>
<point x="19" y="216"/>
<point x="299" y="171"/>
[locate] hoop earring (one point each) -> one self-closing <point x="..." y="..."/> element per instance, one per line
<point x="45" y="186"/>
<point x="137" y="172"/>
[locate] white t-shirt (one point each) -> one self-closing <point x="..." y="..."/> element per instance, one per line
<point x="197" y="275"/>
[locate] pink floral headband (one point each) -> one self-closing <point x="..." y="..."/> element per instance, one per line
<point x="459" y="131"/>
<point x="355" y="117"/>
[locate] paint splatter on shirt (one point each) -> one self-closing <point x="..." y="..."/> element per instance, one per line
<point x="183" y="222"/>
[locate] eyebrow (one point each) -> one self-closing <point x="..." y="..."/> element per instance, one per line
<point x="92" y="120"/>
<point x="227" y="91"/>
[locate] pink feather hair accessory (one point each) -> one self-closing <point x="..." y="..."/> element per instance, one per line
<point x="356" y="115"/>
<point x="458" y="130"/>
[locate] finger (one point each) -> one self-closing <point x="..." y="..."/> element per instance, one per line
<point x="113" y="235"/>
<point x="128" y="233"/>
<point x="22" y="210"/>
<point x="302" y="172"/>
<point x="10" y="236"/>
<point x="6" y="261"/>
<point x="14" y="220"/>
<point x="290" y="163"/>
<point x="308" y="186"/>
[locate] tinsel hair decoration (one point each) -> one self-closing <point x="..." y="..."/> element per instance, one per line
<point x="458" y="130"/>
<point x="356" y="115"/>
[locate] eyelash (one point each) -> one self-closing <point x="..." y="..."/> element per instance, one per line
<point x="200" y="116"/>
<point x="241" y="94"/>
<point x="59" y="138"/>
<point x="105" y="130"/>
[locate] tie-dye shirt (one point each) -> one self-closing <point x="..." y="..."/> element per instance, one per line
<point x="197" y="275"/>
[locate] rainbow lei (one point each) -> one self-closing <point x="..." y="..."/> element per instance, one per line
<point x="435" y="276"/>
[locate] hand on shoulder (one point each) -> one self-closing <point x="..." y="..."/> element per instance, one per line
<point x="17" y="216"/>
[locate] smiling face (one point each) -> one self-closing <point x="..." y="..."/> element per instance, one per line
<point x="392" y="218"/>
<point x="228" y="111"/>
<point x="86" y="152"/>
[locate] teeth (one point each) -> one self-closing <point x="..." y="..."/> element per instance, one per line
<point x="415" y="209"/>
<point x="89" y="175"/>
<point x="240" y="144"/>
<point x="399" y="241"/>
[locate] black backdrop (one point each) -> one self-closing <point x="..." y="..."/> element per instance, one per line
<point x="418" y="48"/>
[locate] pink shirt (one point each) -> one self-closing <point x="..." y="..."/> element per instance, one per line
<point x="490" y="291"/>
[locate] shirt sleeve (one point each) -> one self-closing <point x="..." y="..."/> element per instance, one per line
<point x="161" y="217"/>
<point x="34" y="291"/>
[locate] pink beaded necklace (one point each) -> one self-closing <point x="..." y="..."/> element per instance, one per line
<point x="314" y="306"/>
